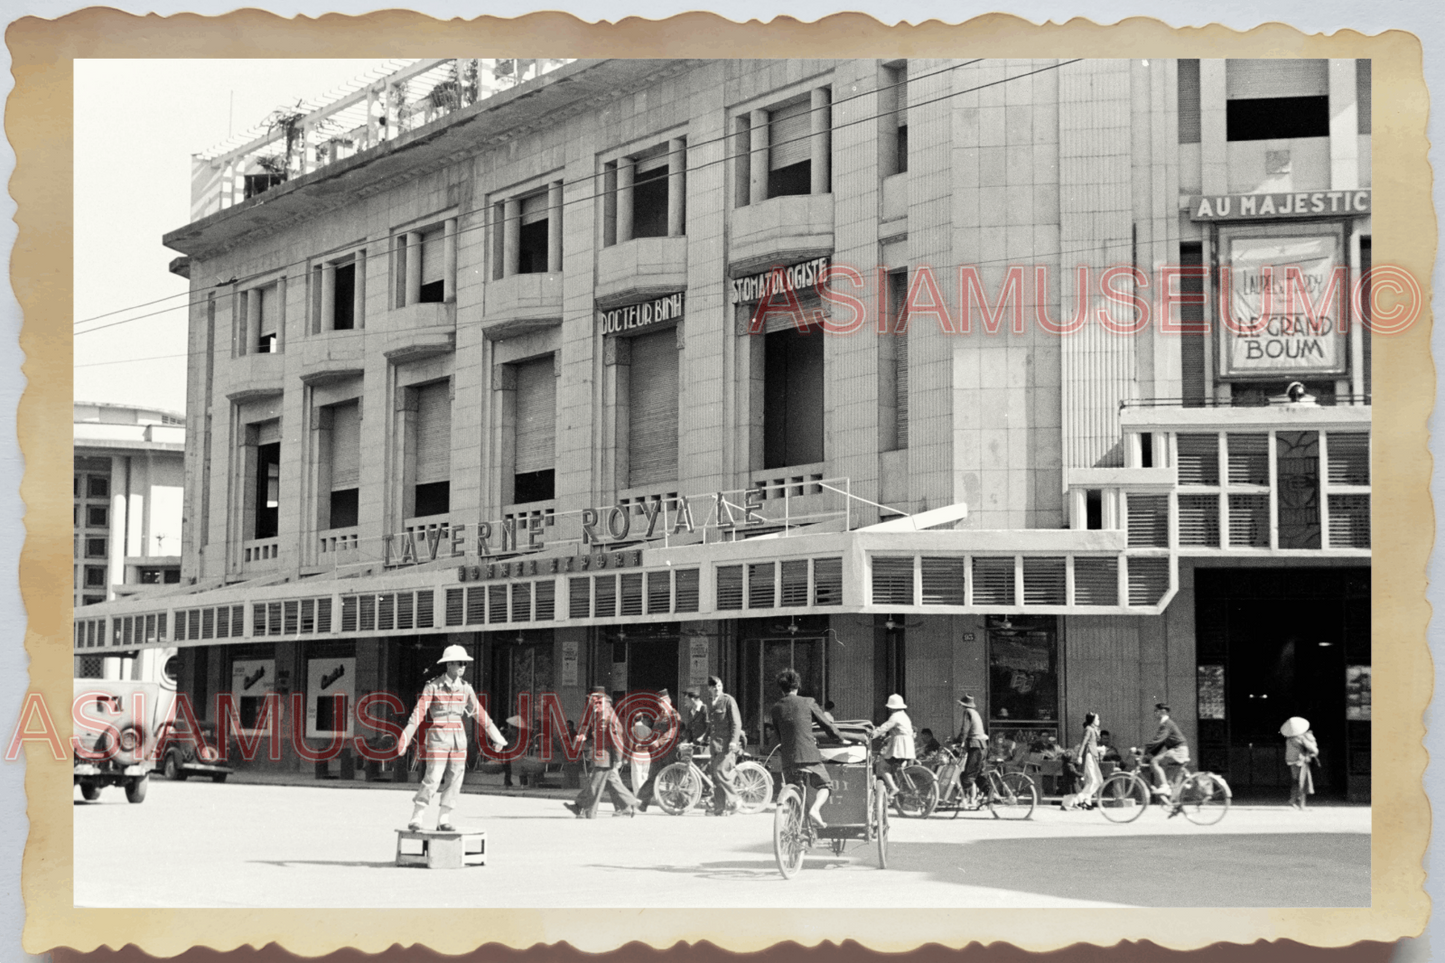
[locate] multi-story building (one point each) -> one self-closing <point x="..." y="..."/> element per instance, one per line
<point x="129" y="468"/>
<point x="647" y="370"/>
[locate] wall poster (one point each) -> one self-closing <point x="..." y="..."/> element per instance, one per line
<point x="1357" y="693"/>
<point x="251" y="681"/>
<point x="1268" y="336"/>
<point x="325" y="680"/>
<point x="1211" y="691"/>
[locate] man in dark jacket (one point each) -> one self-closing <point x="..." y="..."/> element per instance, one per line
<point x="973" y="740"/>
<point x="665" y="733"/>
<point x="601" y="727"/>
<point x="1168" y="746"/>
<point x="725" y="738"/>
<point x="793" y="717"/>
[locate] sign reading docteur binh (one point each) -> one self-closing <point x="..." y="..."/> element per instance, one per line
<point x="633" y="316"/>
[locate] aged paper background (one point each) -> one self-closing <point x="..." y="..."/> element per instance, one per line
<point x="37" y="122"/>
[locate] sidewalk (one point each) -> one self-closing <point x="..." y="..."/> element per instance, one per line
<point x="487" y="784"/>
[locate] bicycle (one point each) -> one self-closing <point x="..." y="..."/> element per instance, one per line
<point x="1203" y="797"/>
<point x="1011" y="795"/>
<point x="851" y="812"/>
<point x="683" y="784"/>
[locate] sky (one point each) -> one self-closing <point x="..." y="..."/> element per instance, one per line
<point x="137" y="123"/>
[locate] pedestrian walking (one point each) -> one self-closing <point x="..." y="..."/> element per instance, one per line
<point x="897" y="748"/>
<point x="602" y="731"/>
<point x="445" y="700"/>
<point x="1086" y="758"/>
<point x="725" y="737"/>
<point x="1300" y="749"/>
<point x="665" y="732"/>
<point x="972" y="738"/>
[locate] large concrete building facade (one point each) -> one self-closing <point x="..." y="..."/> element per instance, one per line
<point x="912" y="375"/>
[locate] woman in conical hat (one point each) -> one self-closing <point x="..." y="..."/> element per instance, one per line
<point x="1300" y="749"/>
<point x="897" y="736"/>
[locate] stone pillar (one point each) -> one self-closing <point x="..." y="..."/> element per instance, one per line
<point x="758" y="157"/>
<point x="449" y="259"/>
<point x="1078" y="508"/>
<point x="327" y="321"/>
<point x="1213" y="145"/>
<point x="822" y="144"/>
<point x="511" y="236"/>
<point x="1344" y="127"/>
<point x="119" y="530"/>
<point x="676" y="187"/>
<point x="358" y="291"/>
<point x="554" y="226"/>
<point x="626" y="171"/>
<point x="413" y="267"/>
<point x="253" y="321"/>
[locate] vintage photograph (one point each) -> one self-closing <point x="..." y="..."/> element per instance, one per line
<point x="602" y="491"/>
<point x="947" y="475"/>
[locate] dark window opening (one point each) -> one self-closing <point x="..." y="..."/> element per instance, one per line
<point x="268" y="490"/>
<point x="792" y="398"/>
<point x="172" y="576"/>
<point x="532" y="249"/>
<point x="436" y="291"/>
<point x="343" y="512"/>
<point x="1189" y="102"/>
<point x="95" y="548"/>
<point x="92" y="600"/>
<point x="1146" y="449"/>
<point x="97" y="516"/>
<point x="266" y="344"/>
<point x="533" y="486"/>
<point x="1192" y="344"/>
<point x="94" y="577"/>
<point x="344" y="318"/>
<point x="261" y="183"/>
<point x="902" y="148"/>
<point x="1267" y="118"/>
<point x="432" y="498"/>
<point x="1367" y="254"/>
<point x="1093" y="509"/>
<point x="649" y="204"/>
<point x="793" y="179"/>
<point x="97" y="486"/>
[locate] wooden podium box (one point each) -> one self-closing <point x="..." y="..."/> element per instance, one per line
<point x="441" y="850"/>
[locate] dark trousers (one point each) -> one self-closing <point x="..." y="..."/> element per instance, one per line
<point x="973" y="769"/>
<point x="645" y="794"/>
<point x="604" y="780"/>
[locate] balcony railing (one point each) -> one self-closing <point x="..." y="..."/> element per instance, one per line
<point x="396" y="99"/>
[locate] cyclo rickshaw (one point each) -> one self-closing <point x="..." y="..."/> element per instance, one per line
<point x="856" y="811"/>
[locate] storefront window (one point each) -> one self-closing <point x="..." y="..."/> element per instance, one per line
<point x="1023" y="701"/>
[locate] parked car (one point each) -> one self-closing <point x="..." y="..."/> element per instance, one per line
<point x="117" y="724"/>
<point x="184" y="758"/>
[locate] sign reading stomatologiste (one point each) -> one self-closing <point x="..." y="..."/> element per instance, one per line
<point x="1287" y="296"/>
<point x="797" y="277"/>
<point x="634" y="316"/>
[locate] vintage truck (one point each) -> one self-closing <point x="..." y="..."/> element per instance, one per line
<point x="118" y="725"/>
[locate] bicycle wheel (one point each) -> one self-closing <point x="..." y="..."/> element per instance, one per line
<point x="1123" y="797"/>
<point x="677" y="789"/>
<point x="1204" y="798"/>
<point x="917" y="792"/>
<point x="880" y="822"/>
<point x="755" y="787"/>
<point x="1014" y="796"/>
<point x="788" y="842"/>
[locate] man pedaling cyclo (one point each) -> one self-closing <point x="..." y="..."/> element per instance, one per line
<point x="793" y="717"/>
<point x="1168" y="747"/>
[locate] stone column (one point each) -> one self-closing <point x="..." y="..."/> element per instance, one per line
<point x="413" y="267"/>
<point x="253" y="321"/>
<point x="822" y="144"/>
<point x="554" y="226"/>
<point x="511" y="236"/>
<point x="449" y="259"/>
<point x="676" y="187"/>
<point x="327" y="321"/>
<point x="758" y="157"/>
<point x="626" y="171"/>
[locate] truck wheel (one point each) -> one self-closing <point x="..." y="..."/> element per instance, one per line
<point x="173" y="768"/>
<point x="135" y="791"/>
<point x="89" y="791"/>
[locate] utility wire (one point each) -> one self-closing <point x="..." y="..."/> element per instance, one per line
<point x="488" y="223"/>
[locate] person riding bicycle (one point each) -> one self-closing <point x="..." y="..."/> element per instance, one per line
<point x="793" y="717"/>
<point x="897" y="749"/>
<point x="1169" y="747"/>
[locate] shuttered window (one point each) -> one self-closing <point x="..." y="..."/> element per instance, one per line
<point x="1198" y="459"/>
<point x="432" y="262"/>
<point x="993" y="580"/>
<point x="1199" y="520"/>
<point x="1044" y="581"/>
<point x="1148" y="580"/>
<point x="1096" y="581"/>
<point x="433" y="433"/>
<point x="534" y="208"/>
<point x="944" y="580"/>
<point x="1248" y="459"/>
<point x="893" y="580"/>
<point x="652" y="408"/>
<point x="1148" y="520"/>
<point x="345" y="446"/>
<point x="788" y="130"/>
<point x="536" y="416"/>
<point x="688" y="587"/>
<point x="1349" y="458"/>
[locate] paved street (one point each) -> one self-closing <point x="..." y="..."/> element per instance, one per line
<point x="200" y="844"/>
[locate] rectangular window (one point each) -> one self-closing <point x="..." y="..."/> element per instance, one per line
<point x="343" y="312"/>
<point x="97" y="486"/>
<point x="1297" y="465"/>
<point x="532" y="240"/>
<point x="652" y="405"/>
<point x="433" y="283"/>
<point x="790" y="152"/>
<point x="267" y="317"/>
<point x="431" y="445"/>
<point x="1366" y="259"/>
<point x="1363" y="101"/>
<point x="97" y="516"/>
<point x="268" y="490"/>
<point x="1192" y="344"/>
<point x="893" y="119"/>
<point x="95" y="576"/>
<point x="792" y="398"/>
<point x="95" y="547"/>
<point x="1188" y="101"/>
<point x="345" y="464"/>
<point x="649" y="198"/>
<point x="1281" y="98"/>
<point x="536" y="431"/>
